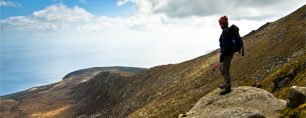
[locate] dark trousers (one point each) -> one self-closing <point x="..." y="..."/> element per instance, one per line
<point x="225" y="71"/>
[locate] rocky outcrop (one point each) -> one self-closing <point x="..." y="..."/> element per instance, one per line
<point x="290" y="72"/>
<point x="281" y="80"/>
<point x="242" y="102"/>
<point x="297" y="96"/>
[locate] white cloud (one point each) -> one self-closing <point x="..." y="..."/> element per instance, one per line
<point x="9" y="4"/>
<point x="120" y="3"/>
<point x="27" y="23"/>
<point x="238" y="9"/>
<point x="83" y="1"/>
<point x="166" y="14"/>
<point x="60" y="13"/>
<point x="103" y="23"/>
<point x="51" y="18"/>
<point x="146" y="22"/>
<point x="150" y="15"/>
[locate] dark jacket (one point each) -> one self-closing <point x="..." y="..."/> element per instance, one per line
<point x="226" y="43"/>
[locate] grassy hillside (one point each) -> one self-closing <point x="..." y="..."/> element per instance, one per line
<point x="168" y="90"/>
<point x="74" y="73"/>
<point x="118" y="68"/>
<point x="30" y="91"/>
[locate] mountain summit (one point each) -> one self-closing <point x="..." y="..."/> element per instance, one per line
<point x="274" y="61"/>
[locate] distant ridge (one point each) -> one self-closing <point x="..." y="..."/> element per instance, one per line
<point x="113" y="68"/>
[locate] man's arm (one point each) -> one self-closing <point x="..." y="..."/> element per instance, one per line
<point x="227" y="44"/>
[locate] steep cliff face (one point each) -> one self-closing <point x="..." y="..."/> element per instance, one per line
<point x="100" y="93"/>
<point x="168" y="90"/>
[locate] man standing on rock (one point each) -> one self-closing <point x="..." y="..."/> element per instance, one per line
<point x="226" y="56"/>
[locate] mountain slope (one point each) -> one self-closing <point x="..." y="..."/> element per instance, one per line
<point x="168" y="90"/>
<point x="53" y="100"/>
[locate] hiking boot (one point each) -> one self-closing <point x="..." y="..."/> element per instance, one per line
<point x="225" y="91"/>
<point x="221" y="87"/>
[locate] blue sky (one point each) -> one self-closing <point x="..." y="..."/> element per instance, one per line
<point x="43" y="40"/>
<point x="96" y="7"/>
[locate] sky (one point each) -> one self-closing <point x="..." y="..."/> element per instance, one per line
<point x="43" y="40"/>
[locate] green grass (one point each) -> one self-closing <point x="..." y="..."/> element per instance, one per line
<point x="14" y="95"/>
<point x="298" y="112"/>
<point x="126" y="69"/>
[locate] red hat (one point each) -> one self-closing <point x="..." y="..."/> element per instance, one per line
<point x="223" y="20"/>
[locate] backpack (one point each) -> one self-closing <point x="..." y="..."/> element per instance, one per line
<point x="237" y="39"/>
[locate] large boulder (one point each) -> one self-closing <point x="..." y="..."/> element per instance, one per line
<point x="242" y="102"/>
<point x="297" y="96"/>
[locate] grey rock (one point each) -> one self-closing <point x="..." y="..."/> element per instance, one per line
<point x="297" y="54"/>
<point x="227" y="113"/>
<point x="282" y="80"/>
<point x="297" y="96"/>
<point x="242" y="102"/>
